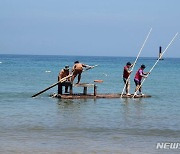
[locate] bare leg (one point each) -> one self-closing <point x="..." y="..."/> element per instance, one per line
<point x="138" y="88"/>
<point x="127" y="85"/>
<point x="73" y="77"/>
<point x="127" y="88"/>
<point x="79" y="78"/>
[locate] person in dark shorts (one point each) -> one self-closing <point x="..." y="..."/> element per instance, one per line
<point x="138" y="77"/>
<point x="126" y="78"/>
<point x="63" y="73"/>
<point x="77" y="70"/>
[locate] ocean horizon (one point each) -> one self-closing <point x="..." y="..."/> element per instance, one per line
<point x="117" y="56"/>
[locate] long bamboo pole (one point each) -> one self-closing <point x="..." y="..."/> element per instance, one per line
<point x="136" y="60"/>
<point x="155" y="64"/>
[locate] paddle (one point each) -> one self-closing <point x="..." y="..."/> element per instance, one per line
<point x="61" y="80"/>
<point x="155" y="64"/>
<point x="136" y="61"/>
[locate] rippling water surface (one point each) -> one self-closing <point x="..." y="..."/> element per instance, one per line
<point x="48" y="125"/>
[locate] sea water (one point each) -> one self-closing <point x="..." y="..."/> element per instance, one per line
<point x="49" y="125"/>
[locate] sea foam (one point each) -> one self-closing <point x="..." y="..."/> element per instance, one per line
<point x="48" y="71"/>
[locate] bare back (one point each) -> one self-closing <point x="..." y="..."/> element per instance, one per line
<point x="78" y="66"/>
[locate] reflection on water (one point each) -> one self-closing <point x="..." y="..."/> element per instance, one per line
<point x="71" y="103"/>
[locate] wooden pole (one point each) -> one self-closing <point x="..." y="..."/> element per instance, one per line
<point x="155" y="64"/>
<point x="136" y="61"/>
<point x="53" y="85"/>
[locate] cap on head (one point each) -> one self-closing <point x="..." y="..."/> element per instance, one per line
<point x="128" y="63"/>
<point x="76" y="62"/>
<point x="66" y="67"/>
<point x="143" y="66"/>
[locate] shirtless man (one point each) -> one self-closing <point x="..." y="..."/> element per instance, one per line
<point x="77" y="70"/>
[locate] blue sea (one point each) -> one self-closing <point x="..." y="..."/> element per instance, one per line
<point x="46" y="125"/>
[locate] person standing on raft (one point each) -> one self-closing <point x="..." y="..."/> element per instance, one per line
<point x="77" y="70"/>
<point x="63" y="73"/>
<point x="138" y="78"/>
<point x="126" y="78"/>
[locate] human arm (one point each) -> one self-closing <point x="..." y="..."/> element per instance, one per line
<point x="127" y="70"/>
<point x="61" y="74"/>
<point x="142" y="74"/>
<point x="146" y="73"/>
<point x="132" y="65"/>
<point x="73" y="68"/>
<point x="84" y="65"/>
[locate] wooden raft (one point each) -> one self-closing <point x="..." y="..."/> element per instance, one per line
<point x="85" y="95"/>
<point x="92" y="96"/>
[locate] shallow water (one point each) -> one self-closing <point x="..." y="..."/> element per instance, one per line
<point x="48" y="125"/>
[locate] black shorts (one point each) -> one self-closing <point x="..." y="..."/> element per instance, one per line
<point x="137" y="82"/>
<point x="125" y="80"/>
